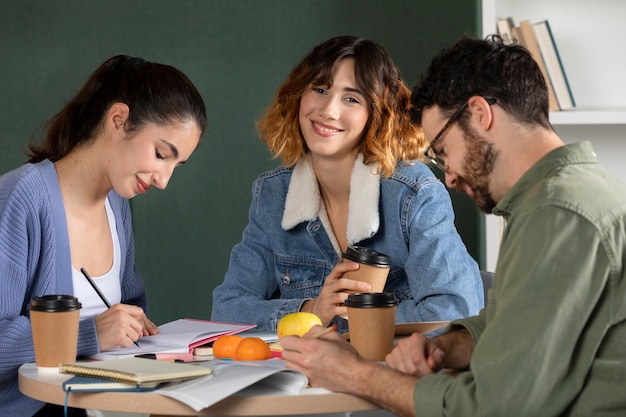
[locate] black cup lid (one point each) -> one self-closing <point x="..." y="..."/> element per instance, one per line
<point x="371" y="299"/>
<point x="367" y="256"/>
<point x="54" y="303"/>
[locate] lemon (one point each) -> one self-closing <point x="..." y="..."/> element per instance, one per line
<point x="296" y="324"/>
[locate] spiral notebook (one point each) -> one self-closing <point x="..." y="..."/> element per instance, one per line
<point x="135" y="370"/>
<point x="86" y="384"/>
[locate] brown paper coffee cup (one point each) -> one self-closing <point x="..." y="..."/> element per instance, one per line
<point x="54" y="321"/>
<point x="371" y="322"/>
<point x="373" y="269"/>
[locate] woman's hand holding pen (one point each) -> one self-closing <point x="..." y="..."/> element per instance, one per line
<point x="329" y="303"/>
<point x="121" y="325"/>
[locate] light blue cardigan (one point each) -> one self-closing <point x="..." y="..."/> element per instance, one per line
<point x="35" y="260"/>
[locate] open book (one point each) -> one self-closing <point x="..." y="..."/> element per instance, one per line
<point x="176" y="339"/>
<point x="236" y="378"/>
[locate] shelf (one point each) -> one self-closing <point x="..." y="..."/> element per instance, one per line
<point x="589" y="116"/>
<point x="588" y="35"/>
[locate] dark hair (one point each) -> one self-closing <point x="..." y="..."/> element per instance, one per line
<point x="487" y="68"/>
<point x="389" y="135"/>
<point x="155" y="93"/>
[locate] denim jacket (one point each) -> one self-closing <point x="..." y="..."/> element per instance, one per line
<point x="286" y="252"/>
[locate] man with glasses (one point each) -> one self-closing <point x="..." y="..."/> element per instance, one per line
<point x="552" y="339"/>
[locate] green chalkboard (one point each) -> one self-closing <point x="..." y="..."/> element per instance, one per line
<point x="237" y="52"/>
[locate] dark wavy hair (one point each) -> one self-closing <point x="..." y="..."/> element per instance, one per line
<point x="389" y="135"/>
<point x="488" y="68"/>
<point x="155" y="93"/>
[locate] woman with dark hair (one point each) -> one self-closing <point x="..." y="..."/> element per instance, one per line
<point x="341" y="125"/>
<point x="123" y="133"/>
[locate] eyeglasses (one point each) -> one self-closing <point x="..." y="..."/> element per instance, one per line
<point x="430" y="151"/>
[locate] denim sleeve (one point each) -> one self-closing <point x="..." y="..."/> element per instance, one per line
<point x="444" y="279"/>
<point x="246" y="294"/>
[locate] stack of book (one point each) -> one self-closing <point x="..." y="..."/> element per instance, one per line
<point x="539" y="40"/>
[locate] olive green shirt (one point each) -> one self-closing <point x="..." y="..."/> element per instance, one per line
<point x="552" y="339"/>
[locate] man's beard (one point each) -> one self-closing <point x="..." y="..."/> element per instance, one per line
<point x="479" y="163"/>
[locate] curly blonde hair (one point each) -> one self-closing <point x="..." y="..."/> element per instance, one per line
<point x="389" y="135"/>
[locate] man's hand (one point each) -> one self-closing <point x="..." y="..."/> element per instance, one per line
<point x="330" y="362"/>
<point x="416" y="355"/>
<point x="319" y="358"/>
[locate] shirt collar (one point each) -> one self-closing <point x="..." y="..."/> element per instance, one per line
<point x="576" y="153"/>
<point x="304" y="202"/>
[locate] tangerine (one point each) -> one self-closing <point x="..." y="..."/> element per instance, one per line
<point x="252" y="349"/>
<point x="224" y="346"/>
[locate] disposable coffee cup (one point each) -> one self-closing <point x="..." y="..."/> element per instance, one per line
<point x="54" y="322"/>
<point x="373" y="269"/>
<point x="371" y="323"/>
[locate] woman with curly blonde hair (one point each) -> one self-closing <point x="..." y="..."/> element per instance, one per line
<point x="340" y="123"/>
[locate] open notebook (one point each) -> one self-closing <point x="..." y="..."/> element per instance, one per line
<point x="177" y="338"/>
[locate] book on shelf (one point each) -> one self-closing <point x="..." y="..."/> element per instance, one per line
<point x="134" y="370"/>
<point x="88" y="384"/>
<point x="554" y="65"/>
<point x="176" y="339"/>
<point x="537" y="38"/>
<point x="506" y="29"/>
<point x="528" y="40"/>
<point x="236" y="378"/>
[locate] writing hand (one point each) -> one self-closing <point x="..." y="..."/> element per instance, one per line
<point x="322" y="360"/>
<point x="149" y="328"/>
<point x="121" y="325"/>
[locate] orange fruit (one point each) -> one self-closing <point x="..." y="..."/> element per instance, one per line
<point x="296" y="324"/>
<point x="225" y="346"/>
<point x="252" y="349"/>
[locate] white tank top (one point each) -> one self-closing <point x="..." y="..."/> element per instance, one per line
<point x="108" y="283"/>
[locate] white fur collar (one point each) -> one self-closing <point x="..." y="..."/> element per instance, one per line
<point x="304" y="202"/>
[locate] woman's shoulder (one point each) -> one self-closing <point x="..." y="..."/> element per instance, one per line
<point x="25" y="190"/>
<point x="414" y="174"/>
<point x="277" y="172"/>
<point x="279" y="176"/>
<point x="28" y="177"/>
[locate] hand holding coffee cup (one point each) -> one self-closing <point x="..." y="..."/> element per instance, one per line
<point x="54" y="321"/>
<point x="373" y="269"/>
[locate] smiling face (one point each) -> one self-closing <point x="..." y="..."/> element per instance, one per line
<point x="147" y="158"/>
<point x="333" y="119"/>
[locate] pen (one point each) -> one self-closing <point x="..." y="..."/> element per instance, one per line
<point x="102" y="297"/>
<point x="323" y="332"/>
<point x="168" y="357"/>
